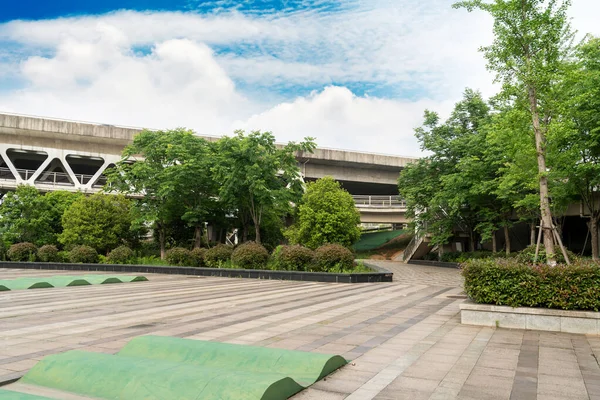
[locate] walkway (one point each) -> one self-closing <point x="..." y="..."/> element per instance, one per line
<point x="404" y="337"/>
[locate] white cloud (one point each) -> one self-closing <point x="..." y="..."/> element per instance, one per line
<point x="338" y="118"/>
<point x="168" y="69"/>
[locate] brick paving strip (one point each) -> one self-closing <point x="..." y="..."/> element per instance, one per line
<point x="525" y="382"/>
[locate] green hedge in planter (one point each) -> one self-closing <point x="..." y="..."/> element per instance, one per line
<point x="509" y="282"/>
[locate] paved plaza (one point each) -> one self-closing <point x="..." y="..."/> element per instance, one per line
<point x="404" y="338"/>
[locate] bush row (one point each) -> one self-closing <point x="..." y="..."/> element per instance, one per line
<point x="249" y="255"/>
<point x="511" y="282"/>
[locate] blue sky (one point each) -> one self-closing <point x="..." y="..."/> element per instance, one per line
<point x="356" y="74"/>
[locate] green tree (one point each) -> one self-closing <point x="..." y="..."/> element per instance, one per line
<point x="532" y="40"/>
<point x="256" y="176"/>
<point x="579" y="141"/>
<point x="172" y="171"/>
<point x="25" y="216"/>
<point x="101" y="221"/>
<point x="326" y="214"/>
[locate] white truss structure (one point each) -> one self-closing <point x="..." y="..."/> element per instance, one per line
<point x="45" y="177"/>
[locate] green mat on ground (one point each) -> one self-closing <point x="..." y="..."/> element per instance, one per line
<point x="161" y="368"/>
<point x="64" y="281"/>
<point x="10" y="395"/>
<point x="373" y="240"/>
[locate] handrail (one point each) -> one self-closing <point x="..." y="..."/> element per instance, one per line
<point x="378" y="201"/>
<point x="57" y="178"/>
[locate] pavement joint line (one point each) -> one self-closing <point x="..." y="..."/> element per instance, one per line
<point x="348" y="330"/>
<point x="208" y="301"/>
<point x="76" y="316"/>
<point x="309" y="313"/>
<point x="387" y="375"/>
<point x="587" y="359"/>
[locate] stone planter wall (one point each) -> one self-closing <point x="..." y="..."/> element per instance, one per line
<point x="541" y="319"/>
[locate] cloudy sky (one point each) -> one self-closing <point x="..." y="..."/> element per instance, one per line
<point x="355" y="74"/>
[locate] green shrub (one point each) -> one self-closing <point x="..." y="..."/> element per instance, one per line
<point x="197" y="257"/>
<point x="48" y="253"/>
<point x="250" y="255"/>
<point x="527" y="255"/>
<point x="509" y="282"/>
<point x="179" y="256"/>
<point x="63" y="256"/>
<point x="218" y="255"/>
<point x="120" y="255"/>
<point x="293" y="258"/>
<point x="22" y="252"/>
<point x="83" y="254"/>
<point x="333" y="257"/>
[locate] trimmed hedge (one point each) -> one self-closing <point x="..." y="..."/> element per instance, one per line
<point x="218" y="255"/>
<point x="508" y="282"/>
<point x="83" y="254"/>
<point x="48" y="253"/>
<point x="293" y="258"/>
<point x="250" y="255"/>
<point x="333" y="256"/>
<point x="120" y="255"/>
<point x="22" y="252"/>
<point x="179" y="256"/>
<point x="197" y="257"/>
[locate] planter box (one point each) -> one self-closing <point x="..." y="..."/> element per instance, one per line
<point x="541" y="319"/>
<point x="221" y="272"/>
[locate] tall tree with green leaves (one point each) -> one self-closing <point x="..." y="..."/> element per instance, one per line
<point x="326" y="214"/>
<point x="532" y="40"/>
<point x="25" y="216"/>
<point x="578" y="143"/>
<point x="171" y="170"/>
<point x="102" y="221"/>
<point x="257" y="175"/>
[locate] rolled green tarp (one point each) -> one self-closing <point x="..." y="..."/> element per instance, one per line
<point x="64" y="281"/>
<point x="10" y="395"/>
<point x="107" y="376"/>
<point x="304" y="367"/>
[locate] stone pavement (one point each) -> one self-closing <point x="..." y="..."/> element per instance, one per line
<point x="404" y="338"/>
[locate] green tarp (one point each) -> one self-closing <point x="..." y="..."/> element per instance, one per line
<point x="64" y="281"/>
<point x="10" y="395"/>
<point x="165" y="368"/>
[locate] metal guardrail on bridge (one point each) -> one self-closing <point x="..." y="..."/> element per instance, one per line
<point x="50" y="178"/>
<point x="366" y="201"/>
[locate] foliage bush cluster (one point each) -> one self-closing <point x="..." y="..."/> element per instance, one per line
<point x="83" y="254"/>
<point x="250" y="255"/>
<point x="293" y="258"/>
<point x="22" y="252"/>
<point x="48" y="253"/>
<point x="510" y="282"/>
<point x="217" y="256"/>
<point x="120" y="255"/>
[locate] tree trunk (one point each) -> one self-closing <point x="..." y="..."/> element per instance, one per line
<point x="197" y="236"/>
<point x="540" y="146"/>
<point x="594" y="234"/>
<point x="507" y="240"/>
<point x="161" y="241"/>
<point x="494" y="243"/>
<point x="257" y="233"/>
<point x="532" y="234"/>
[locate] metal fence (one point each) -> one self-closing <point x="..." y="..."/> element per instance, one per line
<point x="51" y="178"/>
<point x="379" y="201"/>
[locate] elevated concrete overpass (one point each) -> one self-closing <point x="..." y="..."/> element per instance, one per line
<point x="55" y="154"/>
